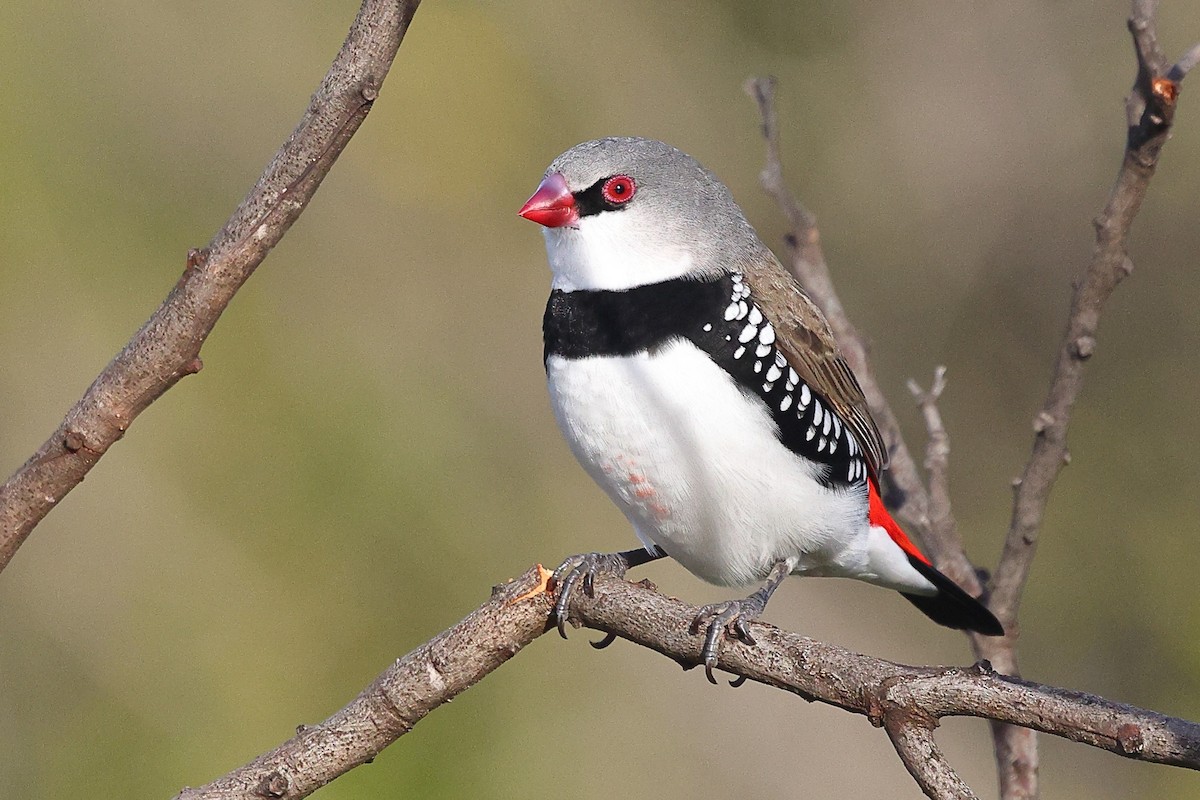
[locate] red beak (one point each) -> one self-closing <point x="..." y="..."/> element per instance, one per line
<point x="552" y="204"/>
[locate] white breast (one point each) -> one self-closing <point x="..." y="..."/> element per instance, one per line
<point x="697" y="467"/>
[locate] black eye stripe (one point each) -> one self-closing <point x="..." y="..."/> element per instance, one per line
<point x="591" y="200"/>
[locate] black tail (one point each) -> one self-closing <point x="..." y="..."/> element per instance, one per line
<point x="951" y="606"/>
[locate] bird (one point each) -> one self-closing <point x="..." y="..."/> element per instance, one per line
<point x="702" y="389"/>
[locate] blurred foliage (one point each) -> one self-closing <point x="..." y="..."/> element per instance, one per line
<point x="369" y="447"/>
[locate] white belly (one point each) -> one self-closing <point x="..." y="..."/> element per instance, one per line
<point x="698" y="469"/>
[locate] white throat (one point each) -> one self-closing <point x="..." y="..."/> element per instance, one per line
<point x="606" y="251"/>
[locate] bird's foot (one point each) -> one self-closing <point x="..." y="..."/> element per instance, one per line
<point x="728" y="619"/>
<point x="581" y="570"/>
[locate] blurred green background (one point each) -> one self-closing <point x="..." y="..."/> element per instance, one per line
<point x="369" y="447"/>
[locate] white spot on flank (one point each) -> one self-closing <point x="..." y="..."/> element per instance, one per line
<point x="742" y="309"/>
<point x="816" y="413"/>
<point x="781" y="362"/>
<point x="747" y="333"/>
<point x="821" y="444"/>
<point x="757" y="367"/>
<point x="762" y="350"/>
<point x="805" y="395"/>
<point x="773" y="373"/>
<point x="741" y="351"/>
<point x="728" y="337"/>
<point x="767" y="387"/>
<point x="785" y="403"/>
<point x="832" y="446"/>
<point x="767" y="334"/>
<point x="808" y="437"/>
<point x="828" y="424"/>
<point x="837" y="427"/>
<point x="792" y="376"/>
<point x="731" y="312"/>
<point x="755" y="315"/>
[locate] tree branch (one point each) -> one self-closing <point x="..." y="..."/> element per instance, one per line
<point x="937" y="454"/>
<point x="923" y="759"/>
<point x="906" y="494"/>
<point x="168" y="346"/>
<point x="433" y="674"/>
<point x="907" y="701"/>
<point x="1150" y="110"/>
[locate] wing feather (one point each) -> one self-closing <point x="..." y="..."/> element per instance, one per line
<point x="803" y="335"/>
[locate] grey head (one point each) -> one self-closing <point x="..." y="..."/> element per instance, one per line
<point x="627" y="211"/>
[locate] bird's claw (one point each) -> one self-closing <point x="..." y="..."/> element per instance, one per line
<point x="724" y="620"/>
<point x="581" y="570"/>
<point x="608" y="639"/>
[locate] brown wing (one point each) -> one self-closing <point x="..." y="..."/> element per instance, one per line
<point x="803" y="335"/>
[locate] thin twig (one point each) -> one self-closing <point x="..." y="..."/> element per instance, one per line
<point x="168" y="346"/>
<point x="884" y="692"/>
<point x="1150" y="108"/>
<point x="1154" y="102"/>
<point x="1184" y="65"/>
<point x="906" y="493"/>
<point x="937" y="468"/>
<point x="1015" y="748"/>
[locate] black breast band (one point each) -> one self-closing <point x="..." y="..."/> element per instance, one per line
<point x="720" y="318"/>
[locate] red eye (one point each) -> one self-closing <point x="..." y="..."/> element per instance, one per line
<point x="619" y="189"/>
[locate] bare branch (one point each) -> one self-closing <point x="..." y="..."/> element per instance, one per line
<point x="937" y="468"/>
<point x="1015" y="748"/>
<point x="1153" y="97"/>
<point x="1184" y="65"/>
<point x="923" y="759"/>
<point x="890" y="695"/>
<point x="1016" y="752"/>
<point x="433" y="674"/>
<point x="168" y="346"/>
<point x="1150" y="109"/>
<point x="804" y="224"/>
<point x="865" y="685"/>
<point x="906" y="494"/>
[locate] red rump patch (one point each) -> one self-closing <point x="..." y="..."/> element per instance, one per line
<point x="877" y="514"/>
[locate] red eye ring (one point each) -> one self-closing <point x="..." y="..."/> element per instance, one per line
<point x="619" y="189"/>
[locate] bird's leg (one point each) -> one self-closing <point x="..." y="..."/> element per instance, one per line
<point x="730" y="618"/>
<point x="585" y="567"/>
